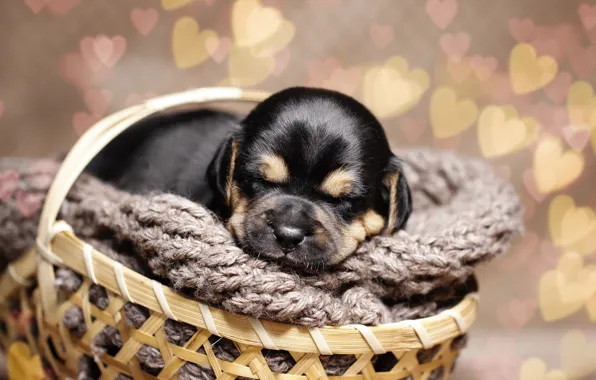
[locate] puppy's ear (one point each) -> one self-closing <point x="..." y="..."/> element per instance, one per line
<point x="396" y="196"/>
<point x="221" y="170"/>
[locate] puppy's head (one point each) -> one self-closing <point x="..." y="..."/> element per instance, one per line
<point x="308" y="177"/>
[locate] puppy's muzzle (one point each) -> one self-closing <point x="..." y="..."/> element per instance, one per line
<point x="291" y="222"/>
<point x="289" y="229"/>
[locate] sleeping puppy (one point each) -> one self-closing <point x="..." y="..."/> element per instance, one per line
<point x="304" y="178"/>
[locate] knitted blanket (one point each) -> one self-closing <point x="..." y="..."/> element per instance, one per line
<point x="464" y="214"/>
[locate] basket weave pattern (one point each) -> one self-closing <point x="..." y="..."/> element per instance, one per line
<point x="250" y="364"/>
<point x="63" y="351"/>
<point x="58" y="246"/>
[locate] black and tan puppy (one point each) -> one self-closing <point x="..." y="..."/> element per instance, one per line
<point x="304" y="178"/>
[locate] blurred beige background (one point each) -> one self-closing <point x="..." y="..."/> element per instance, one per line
<point x="429" y="69"/>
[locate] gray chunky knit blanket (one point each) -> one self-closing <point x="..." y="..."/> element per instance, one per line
<point x="464" y="214"/>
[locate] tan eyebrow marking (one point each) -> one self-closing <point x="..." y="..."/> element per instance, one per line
<point x="274" y="168"/>
<point x="338" y="182"/>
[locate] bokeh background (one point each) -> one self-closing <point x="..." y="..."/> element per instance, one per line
<point x="508" y="80"/>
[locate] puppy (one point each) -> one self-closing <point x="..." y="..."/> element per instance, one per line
<point x="304" y="178"/>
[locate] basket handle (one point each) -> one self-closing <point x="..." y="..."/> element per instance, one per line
<point x="104" y="131"/>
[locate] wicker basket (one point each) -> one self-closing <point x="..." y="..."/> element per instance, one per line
<point x="35" y="299"/>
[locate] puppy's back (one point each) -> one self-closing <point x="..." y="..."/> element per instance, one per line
<point x="166" y="153"/>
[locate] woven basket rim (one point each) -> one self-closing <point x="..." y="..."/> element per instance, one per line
<point x="65" y="249"/>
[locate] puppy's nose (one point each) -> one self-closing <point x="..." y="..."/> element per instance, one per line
<point x="288" y="237"/>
